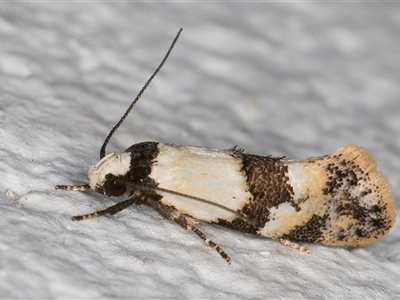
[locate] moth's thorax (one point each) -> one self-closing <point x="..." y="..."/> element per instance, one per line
<point x="116" y="163"/>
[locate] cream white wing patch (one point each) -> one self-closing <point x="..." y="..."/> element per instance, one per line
<point x="201" y="172"/>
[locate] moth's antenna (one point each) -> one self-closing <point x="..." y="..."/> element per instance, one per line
<point x="103" y="148"/>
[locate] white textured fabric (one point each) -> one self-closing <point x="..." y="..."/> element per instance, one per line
<point x="294" y="79"/>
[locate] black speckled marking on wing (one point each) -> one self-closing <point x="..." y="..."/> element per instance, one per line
<point x="359" y="208"/>
<point x="311" y="232"/>
<point x="343" y="179"/>
<point x="268" y="182"/>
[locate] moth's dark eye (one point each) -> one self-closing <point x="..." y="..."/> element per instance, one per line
<point x="113" y="188"/>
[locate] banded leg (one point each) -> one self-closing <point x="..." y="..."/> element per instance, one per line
<point x="112" y="210"/>
<point x="76" y="188"/>
<point x="187" y="223"/>
<point x="209" y="242"/>
<point x="294" y="245"/>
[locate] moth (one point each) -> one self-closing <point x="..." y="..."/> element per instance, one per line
<point x="338" y="199"/>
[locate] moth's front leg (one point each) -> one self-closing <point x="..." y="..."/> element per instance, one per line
<point x="76" y="188"/>
<point x="111" y="210"/>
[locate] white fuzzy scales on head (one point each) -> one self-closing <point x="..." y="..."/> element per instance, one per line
<point x="117" y="163"/>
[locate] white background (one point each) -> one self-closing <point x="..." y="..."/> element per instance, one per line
<point x="293" y="79"/>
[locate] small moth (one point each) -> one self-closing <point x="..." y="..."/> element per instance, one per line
<point x="336" y="200"/>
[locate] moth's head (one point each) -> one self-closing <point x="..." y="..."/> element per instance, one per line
<point x="118" y="164"/>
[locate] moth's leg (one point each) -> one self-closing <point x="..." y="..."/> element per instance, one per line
<point x="294" y="245"/>
<point x="209" y="242"/>
<point x="109" y="210"/>
<point x="187" y="223"/>
<point x="76" y="188"/>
